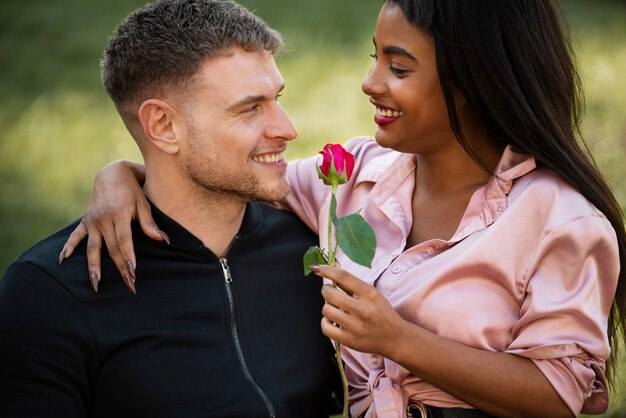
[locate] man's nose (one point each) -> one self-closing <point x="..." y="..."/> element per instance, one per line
<point x="281" y="126"/>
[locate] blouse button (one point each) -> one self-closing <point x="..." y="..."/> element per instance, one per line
<point x="376" y="361"/>
<point x="396" y="269"/>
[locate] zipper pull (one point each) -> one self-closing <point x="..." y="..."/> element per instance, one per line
<point x="225" y="270"/>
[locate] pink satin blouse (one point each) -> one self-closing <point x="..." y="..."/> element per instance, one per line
<point x="531" y="270"/>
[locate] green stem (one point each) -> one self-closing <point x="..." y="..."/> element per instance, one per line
<point x="331" y="260"/>
<point x="331" y="218"/>
<point x="344" y="382"/>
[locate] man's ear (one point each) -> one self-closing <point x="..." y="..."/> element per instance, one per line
<point x="158" y="120"/>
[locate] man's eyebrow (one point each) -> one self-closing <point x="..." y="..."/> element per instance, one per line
<point x="396" y="50"/>
<point x="248" y="100"/>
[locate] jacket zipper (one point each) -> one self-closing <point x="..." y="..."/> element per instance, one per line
<point x="235" y="335"/>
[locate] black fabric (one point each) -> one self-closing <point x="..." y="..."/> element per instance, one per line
<point x="434" y="412"/>
<point x="168" y="351"/>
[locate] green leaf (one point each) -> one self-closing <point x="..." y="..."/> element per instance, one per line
<point x="313" y="256"/>
<point x="356" y="239"/>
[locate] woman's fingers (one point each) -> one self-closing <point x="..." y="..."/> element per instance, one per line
<point x="118" y="238"/>
<point x="148" y="225"/>
<point x="120" y="249"/>
<point x="94" y="244"/>
<point x="340" y="299"/>
<point x="117" y="199"/>
<point x="367" y="322"/>
<point x="334" y="331"/>
<point x="79" y="233"/>
<point x="346" y="281"/>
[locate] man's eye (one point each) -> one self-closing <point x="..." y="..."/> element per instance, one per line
<point x="253" y="108"/>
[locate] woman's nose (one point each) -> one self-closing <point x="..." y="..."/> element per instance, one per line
<point x="373" y="83"/>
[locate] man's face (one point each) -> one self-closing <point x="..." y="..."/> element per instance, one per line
<point x="237" y="130"/>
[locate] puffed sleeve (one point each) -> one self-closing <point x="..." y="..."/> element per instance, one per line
<point x="45" y="347"/>
<point x="308" y="192"/>
<point x="570" y="286"/>
<point x="309" y="196"/>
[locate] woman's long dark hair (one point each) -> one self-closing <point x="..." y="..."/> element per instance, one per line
<point x="512" y="62"/>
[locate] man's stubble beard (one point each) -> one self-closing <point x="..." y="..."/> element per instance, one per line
<point x="204" y="172"/>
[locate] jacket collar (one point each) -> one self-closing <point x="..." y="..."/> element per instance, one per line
<point x="180" y="237"/>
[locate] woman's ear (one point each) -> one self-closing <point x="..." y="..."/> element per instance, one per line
<point x="158" y="120"/>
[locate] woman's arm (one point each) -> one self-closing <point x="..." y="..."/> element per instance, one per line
<point x="501" y="384"/>
<point x="117" y="199"/>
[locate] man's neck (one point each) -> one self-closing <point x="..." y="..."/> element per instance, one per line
<point x="215" y="219"/>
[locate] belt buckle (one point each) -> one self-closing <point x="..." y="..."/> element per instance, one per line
<point x="416" y="407"/>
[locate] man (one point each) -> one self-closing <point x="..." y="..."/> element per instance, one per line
<point x="224" y="324"/>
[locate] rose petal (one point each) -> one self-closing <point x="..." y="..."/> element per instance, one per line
<point x="325" y="167"/>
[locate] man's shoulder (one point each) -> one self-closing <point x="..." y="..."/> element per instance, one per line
<point x="35" y="288"/>
<point x="281" y="229"/>
<point x="275" y="219"/>
<point x="41" y="261"/>
<point x="45" y="253"/>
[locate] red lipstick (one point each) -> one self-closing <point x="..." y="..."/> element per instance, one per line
<point x="385" y="115"/>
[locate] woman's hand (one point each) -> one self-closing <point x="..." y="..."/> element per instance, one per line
<point x="117" y="199"/>
<point x="359" y="317"/>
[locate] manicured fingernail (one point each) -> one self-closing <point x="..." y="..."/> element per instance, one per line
<point x="131" y="269"/>
<point x="94" y="281"/>
<point x="130" y="284"/>
<point x="62" y="255"/>
<point x="164" y="236"/>
<point x="315" y="269"/>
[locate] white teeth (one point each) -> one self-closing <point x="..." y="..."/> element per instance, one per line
<point x="387" y="113"/>
<point x="268" y="158"/>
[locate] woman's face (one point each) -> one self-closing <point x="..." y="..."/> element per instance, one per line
<point x="403" y="84"/>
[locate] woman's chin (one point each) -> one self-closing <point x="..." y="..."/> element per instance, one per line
<point x="385" y="140"/>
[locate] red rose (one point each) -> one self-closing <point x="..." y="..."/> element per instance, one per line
<point x="337" y="166"/>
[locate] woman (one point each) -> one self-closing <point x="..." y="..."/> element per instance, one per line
<point x="499" y="243"/>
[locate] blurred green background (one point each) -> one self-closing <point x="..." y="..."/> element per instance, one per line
<point x="58" y="126"/>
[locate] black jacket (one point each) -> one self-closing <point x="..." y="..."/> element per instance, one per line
<point x="202" y="338"/>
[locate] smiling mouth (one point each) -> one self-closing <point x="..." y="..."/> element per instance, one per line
<point x="269" y="158"/>
<point x="385" y="116"/>
<point x="387" y="113"/>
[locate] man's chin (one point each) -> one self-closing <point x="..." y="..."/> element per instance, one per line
<point x="274" y="195"/>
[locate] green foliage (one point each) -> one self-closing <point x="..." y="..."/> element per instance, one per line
<point x="356" y="239"/>
<point x="59" y="127"/>
<point x="313" y="257"/>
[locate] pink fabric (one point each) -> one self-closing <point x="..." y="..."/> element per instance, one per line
<point x="531" y="270"/>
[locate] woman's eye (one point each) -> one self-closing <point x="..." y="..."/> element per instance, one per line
<point x="374" y="55"/>
<point x="398" y="71"/>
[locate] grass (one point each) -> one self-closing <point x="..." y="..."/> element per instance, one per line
<point x="59" y="127"/>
